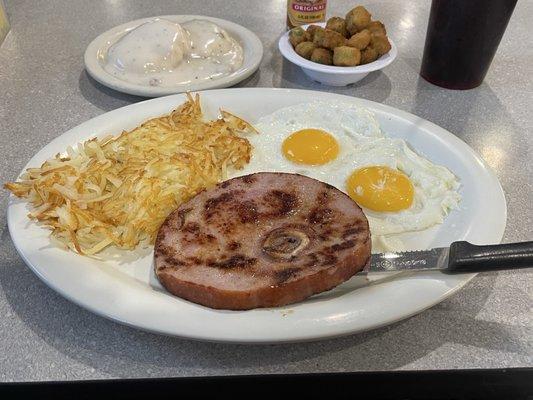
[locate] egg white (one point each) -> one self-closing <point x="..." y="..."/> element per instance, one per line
<point x="361" y="144"/>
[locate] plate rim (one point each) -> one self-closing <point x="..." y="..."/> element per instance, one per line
<point x="95" y="70"/>
<point x="346" y="330"/>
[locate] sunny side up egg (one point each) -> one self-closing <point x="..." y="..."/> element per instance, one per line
<point x="310" y="147"/>
<point x="343" y="145"/>
<point x="380" y="188"/>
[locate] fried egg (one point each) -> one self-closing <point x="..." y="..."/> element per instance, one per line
<point x="343" y="145"/>
<point x="310" y="147"/>
<point x="380" y="188"/>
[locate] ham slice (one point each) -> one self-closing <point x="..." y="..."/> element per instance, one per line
<point x="261" y="240"/>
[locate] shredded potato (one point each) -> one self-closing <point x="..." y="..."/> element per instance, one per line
<point x="118" y="190"/>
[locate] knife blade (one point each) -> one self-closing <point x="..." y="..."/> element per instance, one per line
<point x="460" y="257"/>
<point x="427" y="260"/>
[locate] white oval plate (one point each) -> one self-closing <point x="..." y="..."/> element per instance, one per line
<point x="127" y="291"/>
<point x="97" y="50"/>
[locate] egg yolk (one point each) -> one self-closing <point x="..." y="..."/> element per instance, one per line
<point x="310" y="146"/>
<point x="380" y="188"/>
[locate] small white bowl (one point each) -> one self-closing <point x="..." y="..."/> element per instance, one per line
<point x="330" y="74"/>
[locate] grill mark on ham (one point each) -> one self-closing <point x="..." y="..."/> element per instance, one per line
<point x="321" y="215"/>
<point x="261" y="240"/>
<point x="352" y="231"/>
<point x="280" y="203"/>
<point x="247" y="211"/>
<point x="170" y="258"/>
<point x="236" y="261"/>
<point x="312" y="260"/>
<point x="212" y="204"/>
<point x="323" y="196"/>
<point x="180" y="220"/>
<point x="232" y="246"/>
<point x="191" y="227"/>
<point x="285" y="274"/>
<point x="328" y="258"/>
<point x="343" y="245"/>
<point x="248" y="179"/>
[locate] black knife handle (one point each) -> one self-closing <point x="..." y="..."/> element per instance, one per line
<point x="467" y="257"/>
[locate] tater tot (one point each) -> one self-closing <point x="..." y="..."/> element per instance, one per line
<point x="380" y="43"/>
<point x="322" y="56"/>
<point x="357" y="19"/>
<point x="305" y="49"/>
<point x="337" y="24"/>
<point x="328" y="39"/>
<point x="345" y="56"/>
<point x="376" y="27"/>
<point x="311" y="29"/>
<point x="360" y="40"/>
<point x="298" y="35"/>
<point x="369" y="55"/>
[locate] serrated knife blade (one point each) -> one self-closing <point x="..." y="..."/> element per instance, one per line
<point x="434" y="259"/>
<point x="460" y="257"/>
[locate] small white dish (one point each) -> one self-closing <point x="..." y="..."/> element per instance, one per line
<point x="96" y="54"/>
<point x="330" y="74"/>
<point x="126" y="290"/>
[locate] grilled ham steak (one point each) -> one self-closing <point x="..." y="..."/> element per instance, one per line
<point x="261" y="240"/>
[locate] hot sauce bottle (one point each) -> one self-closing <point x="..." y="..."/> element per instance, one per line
<point x="302" y="12"/>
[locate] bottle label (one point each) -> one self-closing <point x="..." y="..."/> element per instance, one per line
<point x="301" y="12"/>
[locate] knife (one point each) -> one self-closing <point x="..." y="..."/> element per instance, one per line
<point x="460" y="257"/>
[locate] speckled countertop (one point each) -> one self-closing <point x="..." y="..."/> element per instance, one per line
<point x="44" y="91"/>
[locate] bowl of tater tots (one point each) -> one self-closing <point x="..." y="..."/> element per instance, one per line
<point x="342" y="50"/>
